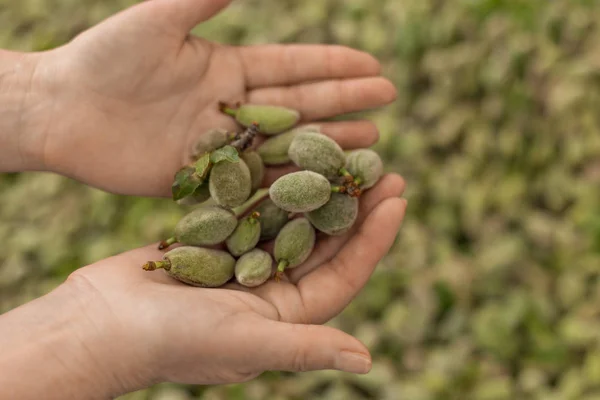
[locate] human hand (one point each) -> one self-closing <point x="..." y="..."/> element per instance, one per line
<point x="145" y="327"/>
<point x="127" y="99"/>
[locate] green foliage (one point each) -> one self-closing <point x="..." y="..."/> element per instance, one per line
<point x="187" y="180"/>
<point x="202" y="165"/>
<point x="224" y="154"/>
<point x="492" y="290"/>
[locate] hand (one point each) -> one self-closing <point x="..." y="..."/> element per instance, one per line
<point x="129" y="97"/>
<point x="155" y="329"/>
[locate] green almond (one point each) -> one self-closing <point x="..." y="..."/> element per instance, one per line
<point x="274" y="151"/>
<point x="317" y="152"/>
<point x="300" y="191"/>
<point x="254" y="268"/>
<point x="196" y="266"/>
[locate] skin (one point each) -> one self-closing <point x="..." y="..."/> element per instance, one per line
<point x="138" y="87"/>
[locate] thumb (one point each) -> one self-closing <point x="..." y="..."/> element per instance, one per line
<point x="186" y="14"/>
<point x="299" y="348"/>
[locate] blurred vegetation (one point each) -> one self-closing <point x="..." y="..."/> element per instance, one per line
<point x="492" y="289"/>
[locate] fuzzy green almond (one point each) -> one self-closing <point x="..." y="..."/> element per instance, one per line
<point x="274" y="151"/>
<point x="294" y="244"/>
<point x="272" y="219"/>
<point x="271" y="119"/>
<point x="365" y="166"/>
<point x="337" y="216"/>
<point x="246" y="235"/>
<point x="256" y="166"/>
<point x="204" y="226"/>
<point x="314" y="151"/>
<point x="254" y="268"/>
<point x="209" y="141"/>
<point x="300" y="191"/>
<point x="230" y="183"/>
<point x="196" y="266"/>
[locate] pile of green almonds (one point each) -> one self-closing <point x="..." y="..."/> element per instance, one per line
<point x="219" y="240"/>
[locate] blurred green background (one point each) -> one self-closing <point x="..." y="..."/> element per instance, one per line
<point x="492" y="290"/>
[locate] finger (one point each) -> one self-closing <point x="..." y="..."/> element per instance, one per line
<point x="282" y="346"/>
<point x="281" y="65"/>
<point x="326" y="99"/>
<point x="389" y="186"/>
<point x="129" y="265"/>
<point x="330" y="288"/>
<point x="349" y="135"/>
<point x="186" y="14"/>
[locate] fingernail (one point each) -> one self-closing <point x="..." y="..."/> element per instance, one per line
<point x="353" y="362"/>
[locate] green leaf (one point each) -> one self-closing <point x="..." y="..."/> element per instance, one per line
<point x="186" y="181"/>
<point x="203" y="166"/>
<point x="226" y="153"/>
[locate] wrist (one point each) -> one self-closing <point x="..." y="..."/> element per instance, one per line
<point x="23" y="110"/>
<point x="63" y="345"/>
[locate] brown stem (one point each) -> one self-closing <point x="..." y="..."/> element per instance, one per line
<point x="166" y="243"/>
<point x="154" y="265"/>
<point x="280" y="270"/>
<point x="354" y="191"/>
<point x="224" y="108"/>
<point x="254" y="216"/>
<point x="244" y="140"/>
